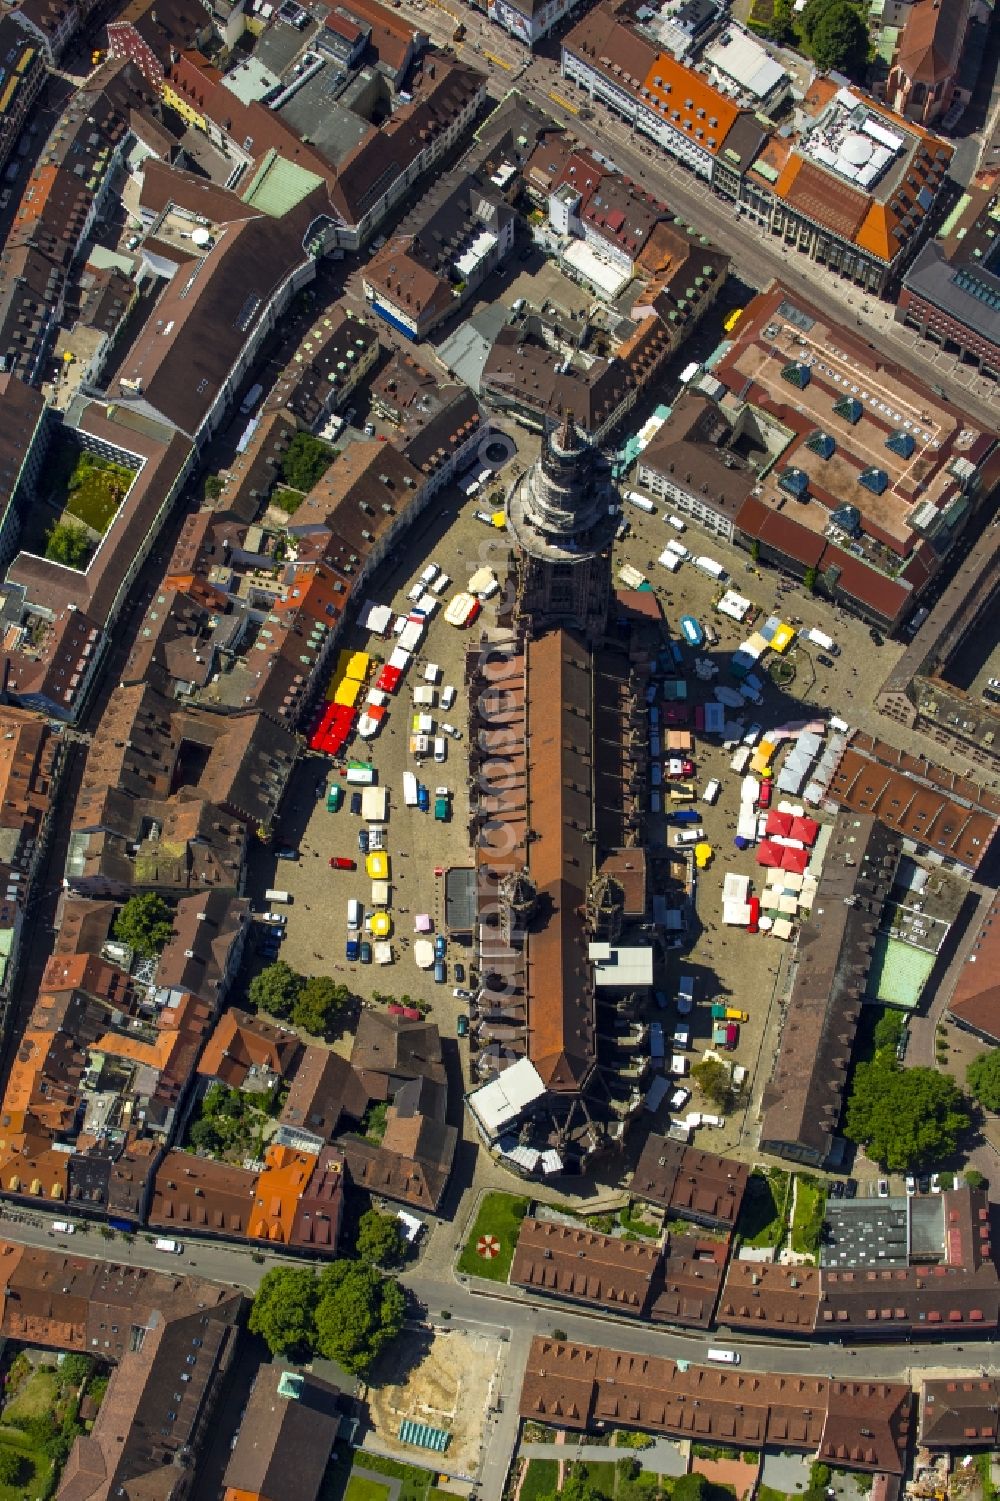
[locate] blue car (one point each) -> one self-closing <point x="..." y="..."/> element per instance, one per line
<point x="353" y="950"/>
<point x="423" y="798"/>
<point x="440" y="971"/>
<point x="363" y="841"/>
<point x="440" y="946"/>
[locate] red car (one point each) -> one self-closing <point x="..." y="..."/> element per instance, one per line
<point x="764" y="798"/>
<point x="341" y="862"/>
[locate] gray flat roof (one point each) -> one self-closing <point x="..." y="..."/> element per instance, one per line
<point x="865" y="1232"/>
<point x="460" y="898"/>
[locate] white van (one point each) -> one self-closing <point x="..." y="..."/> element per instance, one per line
<point x="272" y="894"/>
<point x="354" y="914"/>
<point x="448" y="696"/>
<point x="440" y="748"/>
<point x="712" y="791"/>
<point x="429" y="574"/>
<point x="441" y="583"/>
<point x="62" y="1227"/>
<point x="723" y="1357"/>
<point x="676" y="522"/>
<point x="741" y="760"/>
<point x="678" y="549"/>
<point x="840" y="725"/>
<point x="172" y="1247"/>
<point x="634" y="498"/>
<point x="690" y="836"/>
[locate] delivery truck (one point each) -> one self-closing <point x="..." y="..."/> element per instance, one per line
<point x="711" y="567"/>
<point x="360" y="774"/>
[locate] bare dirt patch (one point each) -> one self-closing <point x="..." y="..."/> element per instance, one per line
<point x="449" y="1383"/>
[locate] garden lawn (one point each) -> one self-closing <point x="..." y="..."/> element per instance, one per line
<point x="36" y="1467"/>
<point x="500" y="1215"/>
<point x="807" y="1219"/>
<point x="415" y="1481"/>
<point x="762" y="1217"/>
<point x="541" y="1479"/>
<point x="97" y="488"/>
<point x="36" y="1398"/>
<point x="360" y="1488"/>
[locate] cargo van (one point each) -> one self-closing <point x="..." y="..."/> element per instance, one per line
<point x="723" y="1357"/>
<point x="360" y="774"/>
<point x="676" y="522"/>
<point x="678" y="549"/>
<point x="741" y="760"/>
<point x="354" y="913"/>
<point x="690" y="837"/>
<point x="822" y="640"/>
<point x="251" y="399"/>
<point x="172" y="1247"/>
<point x="711" y="792"/>
<point x="272" y="894"/>
<point x="711" y="567"/>
<point x="62" y="1227"/>
<point x="640" y="502"/>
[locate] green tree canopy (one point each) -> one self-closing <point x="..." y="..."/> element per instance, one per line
<point x="983" y="1079"/>
<point x="904" y="1118"/>
<point x="68" y="543"/>
<point x="690" y="1487"/>
<point x="284" y="1309"/>
<point x="145" y="924"/>
<point x="380" y="1239"/>
<point x="715" y="1080"/>
<point x="276" y="989"/>
<point x="974" y="1178"/>
<point x="889" y="1030"/>
<point x="359" y="1314"/>
<point x="12" y="1466"/>
<point x="305" y="462"/>
<point x="319" y="1002"/>
<point x="839" y="39"/>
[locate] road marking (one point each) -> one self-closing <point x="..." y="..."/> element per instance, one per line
<point x="565" y="103"/>
<point x="498" y="60"/>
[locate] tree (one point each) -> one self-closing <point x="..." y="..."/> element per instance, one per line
<point x="809" y="580"/>
<point x="983" y="1079"/>
<point x="213" y="486"/>
<point x="305" y="462"/>
<point x="12" y="1466"/>
<point x="690" y="1487"/>
<point x="889" y="1029"/>
<point x="715" y="1080"/>
<point x="204" y="1136"/>
<point x="974" y="1178"/>
<point x="380" y="1239"/>
<point x="904" y="1118"/>
<point x="145" y="924"/>
<point x="319" y="1000"/>
<point x="755" y="549"/>
<point x="839" y="39"/>
<point x="68" y="543"/>
<point x="284" y="1309"/>
<point x="358" y="1315"/>
<point x="276" y="989"/>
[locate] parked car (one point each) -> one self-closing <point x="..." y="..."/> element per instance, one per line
<point x="462" y="1025"/>
<point x="824" y="661"/>
<point x="485" y="517"/>
<point x="366" y="951"/>
<point x="448" y="696"/>
<point x="449" y="729"/>
<point x="836" y="1189"/>
<point x="460" y="973"/>
<point x="911" y="1185"/>
<point x="883" y="1188"/>
<point x="440" y="748"/>
<point x="341" y="862"/>
<point x="363" y="841"/>
<point x="924" y="1183"/>
<point x="334" y="798"/>
<point x="287" y="852"/>
<point x="423" y="798"/>
<point x="851" y="1188"/>
<point x="935" y="1183"/>
<point x="352" y="950"/>
<point x="440" y="946"/>
<point x="764" y="795"/>
<point x="460" y="994"/>
<point x="356" y="802"/>
<point x="321" y="789"/>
